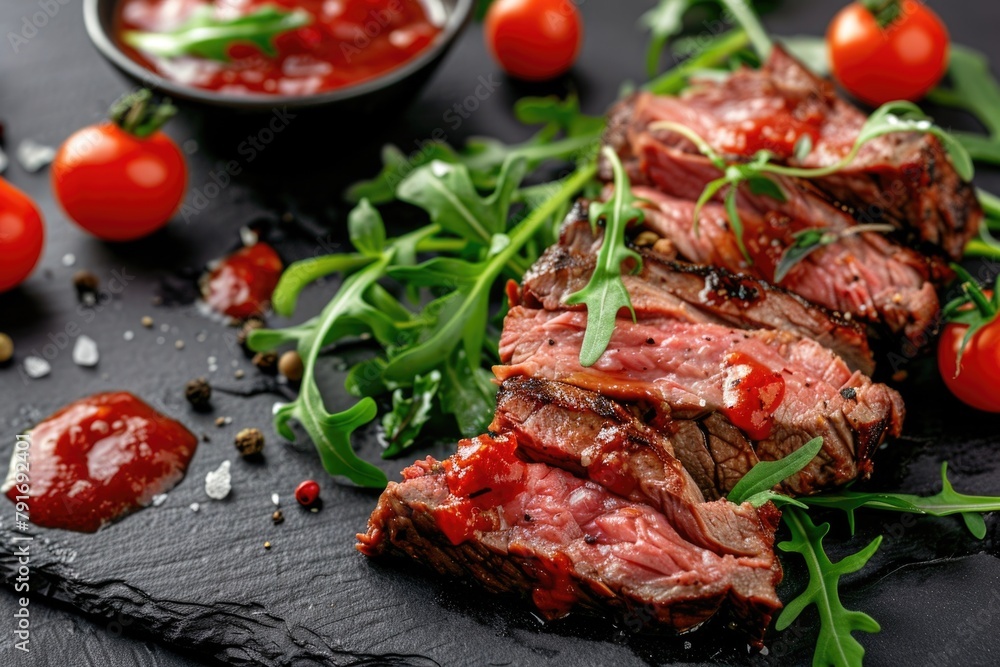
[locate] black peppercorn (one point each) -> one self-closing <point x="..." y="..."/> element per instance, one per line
<point x="250" y="441"/>
<point x="266" y="362"/>
<point x="198" y="393"/>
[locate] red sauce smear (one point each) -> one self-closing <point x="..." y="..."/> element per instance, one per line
<point x="100" y="458"/>
<point x="486" y="472"/>
<point x="242" y="284"/>
<point x="751" y="394"/>
<point x="778" y="131"/>
<point x="347" y="42"/>
<point x="556" y="593"/>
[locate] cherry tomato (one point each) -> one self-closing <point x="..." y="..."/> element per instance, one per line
<point x="902" y="60"/>
<point x="21" y="236"/>
<point x="116" y="185"/>
<point x="975" y="383"/>
<point x="534" y="39"/>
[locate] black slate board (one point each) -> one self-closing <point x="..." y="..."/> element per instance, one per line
<point x="169" y="586"/>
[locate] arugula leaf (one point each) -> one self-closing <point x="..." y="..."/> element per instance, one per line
<point x="366" y="229"/>
<point x="605" y="294"/>
<point x="766" y="474"/>
<point x="663" y="21"/>
<point x="447" y="193"/>
<point x="485" y="158"/>
<point x="733" y="214"/>
<point x="403" y="424"/>
<point x="975" y="90"/>
<point x="206" y="36"/>
<point x="807" y="241"/>
<point x="944" y="503"/>
<point x="835" y="645"/>
<point x="717" y="51"/>
<point x="331" y="432"/>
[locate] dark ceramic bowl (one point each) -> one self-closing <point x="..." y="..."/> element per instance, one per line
<point x="376" y="96"/>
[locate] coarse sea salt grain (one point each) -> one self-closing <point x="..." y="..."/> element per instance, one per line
<point x="33" y="155"/>
<point x="218" y="482"/>
<point x="276" y="499"/>
<point x="85" y="352"/>
<point x="159" y="499"/>
<point x="128" y="335"/>
<point x="194" y="507"/>
<point x="69" y="259"/>
<point x="36" y="367"/>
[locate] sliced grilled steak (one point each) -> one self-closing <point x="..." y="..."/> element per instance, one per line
<point x="597" y="438"/>
<point x="903" y="178"/>
<point x="567" y="543"/>
<point x="665" y="288"/>
<point x="868" y="277"/>
<point x="779" y="389"/>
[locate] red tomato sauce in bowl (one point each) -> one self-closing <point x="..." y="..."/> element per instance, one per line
<point x="346" y="42"/>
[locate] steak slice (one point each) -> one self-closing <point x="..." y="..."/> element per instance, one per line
<point x="596" y="438"/>
<point x="867" y="277"/>
<point x="906" y="179"/>
<point x="564" y="542"/>
<point x="665" y="288"/>
<point x="779" y="389"/>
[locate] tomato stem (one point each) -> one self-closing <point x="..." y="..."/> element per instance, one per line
<point x="884" y="11"/>
<point x="139" y="115"/>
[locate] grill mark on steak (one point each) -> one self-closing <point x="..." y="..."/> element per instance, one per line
<point x="583" y="549"/>
<point x="691" y="292"/>
<point x="868" y="276"/>
<point x="684" y="377"/>
<point x="904" y="178"/>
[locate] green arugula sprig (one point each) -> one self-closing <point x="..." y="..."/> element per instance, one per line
<point x="756" y="487"/>
<point x="975" y="90"/>
<point x="430" y="357"/>
<point x="206" y="36"/>
<point x="808" y="241"/>
<point x="946" y="502"/>
<point x="835" y="645"/>
<point x="605" y="294"/>
<point x="566" y="134"/>
<point x="889" y="118"/>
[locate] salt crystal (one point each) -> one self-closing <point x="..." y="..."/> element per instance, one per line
<point x="194" y="507"/>
<point x="248" y="236"/>
<point x="128" y="335"/>
<point x="36" y="367"/>
<point x="69" y="259"/>
<point x="33" y="155"/>
<point x="159" y="499"/>
<point x="85" y="352"/>
<point x="218" y="482"/>
<point x="275" y="499"/>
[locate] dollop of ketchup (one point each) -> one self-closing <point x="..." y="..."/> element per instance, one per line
<point x="485" y="472"/>
<point x="100" y="458"/>
<point x="242" y="284"/>
<point x="751" y="394"/>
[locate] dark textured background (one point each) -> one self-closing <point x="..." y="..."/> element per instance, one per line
<point x="169" y="587"/>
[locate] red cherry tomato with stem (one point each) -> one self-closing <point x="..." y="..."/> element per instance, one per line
<point x="22" y="236"/>
<point x="971" y="373"/>
<point x="123" y="179"/>
<point x="534" y="39"/>
<point x="899" y="51"/>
